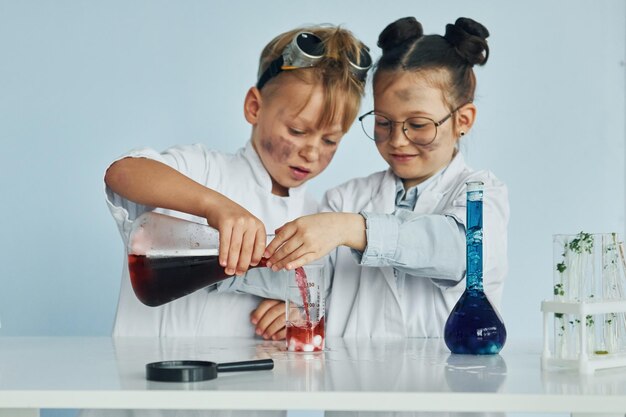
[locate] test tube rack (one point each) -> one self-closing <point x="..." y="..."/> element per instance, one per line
<point x="585" y="362"/>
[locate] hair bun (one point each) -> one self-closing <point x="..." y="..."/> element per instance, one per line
<point x="399" y="32"/>
<point x="469" y="39"/>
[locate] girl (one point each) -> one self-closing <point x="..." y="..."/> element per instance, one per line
<point x="400" y="234"/>
<point x="299" y="111"/>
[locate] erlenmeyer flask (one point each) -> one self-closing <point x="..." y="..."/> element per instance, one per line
<point x="474" y="326"/>
<point x="169" y="258"/>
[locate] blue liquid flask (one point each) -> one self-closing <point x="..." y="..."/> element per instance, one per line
<point x="474" y="326"/>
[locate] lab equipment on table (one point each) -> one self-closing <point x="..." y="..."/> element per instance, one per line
<point x="169" y="258"/>
<point x="589" y="303"/>
<point x="192" y="371"/>
<point x="305" y="308"/>
<point x="474" y="325"/>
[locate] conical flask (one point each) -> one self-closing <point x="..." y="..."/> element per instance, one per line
<point x="474" y="326"/>
<point x="169" y="258"/>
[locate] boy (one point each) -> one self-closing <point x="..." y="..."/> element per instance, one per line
<point x="299" y="110"/>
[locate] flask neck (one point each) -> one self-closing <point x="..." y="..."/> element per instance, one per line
<point x="474" y="237"/>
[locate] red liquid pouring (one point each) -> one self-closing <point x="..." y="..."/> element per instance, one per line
<point x="159" y="280"/>
<point x="303" y="286"/>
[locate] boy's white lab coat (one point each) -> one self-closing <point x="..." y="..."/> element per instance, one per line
<point x="240" y="177"/>
<point x="366" y="302"/>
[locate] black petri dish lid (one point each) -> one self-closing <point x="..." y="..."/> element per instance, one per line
<point x="181" y="371"/>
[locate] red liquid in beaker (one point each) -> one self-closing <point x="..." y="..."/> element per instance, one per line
<point x="159" y="280"/>
<point x="307" y="337"/>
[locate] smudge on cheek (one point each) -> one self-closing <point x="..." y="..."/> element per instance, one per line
<point x="430" y="148"/>
<point x="285" y="149"/>
<point x="279" y="149"/>
<point x="267" y="146"/>
<point x="326" y="157"/>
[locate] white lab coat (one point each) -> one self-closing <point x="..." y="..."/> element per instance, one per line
<point x="366" y="302"/>
<point x="240" y="177"/>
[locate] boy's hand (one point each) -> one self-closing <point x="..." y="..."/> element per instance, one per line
<point x="269" y="319"/>
<point x="242" y="236"/>
<point x="311" y="237"/>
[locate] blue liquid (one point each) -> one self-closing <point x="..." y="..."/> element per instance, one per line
<point x="474" y="326"/>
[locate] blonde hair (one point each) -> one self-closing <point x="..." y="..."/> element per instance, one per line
<point x="341" y="88"/>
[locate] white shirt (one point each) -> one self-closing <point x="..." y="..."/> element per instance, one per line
<point x="240" y="177"/>
<point x="423" y="246"/>
<point x="366" y="300"/>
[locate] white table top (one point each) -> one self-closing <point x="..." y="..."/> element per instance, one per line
<point x="406" y="374"/>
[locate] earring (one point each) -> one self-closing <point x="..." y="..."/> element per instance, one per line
<point x="462" y="133"/>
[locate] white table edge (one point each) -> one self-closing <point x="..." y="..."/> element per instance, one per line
<point x="339" y="401"/>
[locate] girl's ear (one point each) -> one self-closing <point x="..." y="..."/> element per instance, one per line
<point x="465" y="117"/>
<point x="252" y="105"/>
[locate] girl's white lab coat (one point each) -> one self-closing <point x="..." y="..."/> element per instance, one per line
<point x="240" y="177"/>
<point x="365" y="301"/>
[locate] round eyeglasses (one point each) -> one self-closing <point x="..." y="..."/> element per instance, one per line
<point x="420" y="130"/>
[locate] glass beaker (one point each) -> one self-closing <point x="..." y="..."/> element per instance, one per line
<point x="169" y="258"/>
<point x="305" y="308"/>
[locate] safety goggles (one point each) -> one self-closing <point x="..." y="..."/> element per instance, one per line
<point x="306" y="50"/>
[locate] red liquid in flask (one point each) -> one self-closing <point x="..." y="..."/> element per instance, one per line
<point x="159" y="280"/>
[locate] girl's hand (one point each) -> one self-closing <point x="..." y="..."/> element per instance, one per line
<point x="311" y="237"/>
<point x="269" y="319"/>
<point x="242" y="237"/>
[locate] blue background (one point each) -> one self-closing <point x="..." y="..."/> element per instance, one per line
<point x="81" y="82"/>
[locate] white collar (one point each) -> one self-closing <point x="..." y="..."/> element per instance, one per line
<point x="412" y="194"/>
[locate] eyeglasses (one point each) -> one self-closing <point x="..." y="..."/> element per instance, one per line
<point x="421" y="131"/>
<point x="306" y="50"/>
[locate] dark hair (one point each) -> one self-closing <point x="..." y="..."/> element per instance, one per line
<point x="406" y="48"/>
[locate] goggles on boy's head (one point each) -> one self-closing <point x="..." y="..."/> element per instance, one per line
<point x="305" y="50"/>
